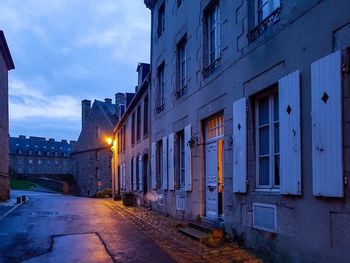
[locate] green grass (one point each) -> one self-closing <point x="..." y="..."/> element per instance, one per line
<point x="16" y="184"/>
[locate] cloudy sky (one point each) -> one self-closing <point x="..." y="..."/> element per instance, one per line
<point x="68" y="50"/>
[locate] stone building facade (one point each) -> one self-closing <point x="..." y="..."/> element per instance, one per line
<point x="38" y="157"/>
<point x="6" y="64"/>
<point x="250" y="120"/>
<point x="131" y="152"/>
<point x="92" y="155"/>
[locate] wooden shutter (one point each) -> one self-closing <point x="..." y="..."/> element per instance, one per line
<point x="188" y="159"/>
<point x="165" y="163"/>
<point x="240" y="146"/>
<point x="153" y="166"/>
<point x="140" y="174"/>
<point x="327" y="154"/>
<point x="124" y="175"/>
<point x="290" y="132"/>
<point x="171" y="162"/>
<point x="134" y="173"/>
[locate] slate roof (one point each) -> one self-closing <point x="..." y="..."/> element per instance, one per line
<point x="109" y="109"/>
<point x="36" y="144"/>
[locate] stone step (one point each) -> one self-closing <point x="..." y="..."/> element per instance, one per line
<point x="194" y="233"/>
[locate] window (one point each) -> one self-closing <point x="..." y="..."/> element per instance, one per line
<point x="215" y="127"/>
<point x="160" y="91"/>
<point x="181" y="160"/>
<point x="98" y="131"/>
<point x="159" y="163"/>
<point x="182" y="67"/>
<point x="98" y="176"/>
<point x="145" y="116"/>
<point x="265" y="8"/>
<point x="267" y="137"/>
<point x="161" y="19"/>
<point x="138" y="127"/>
<point x="133" y="129"/>
<point x="98" y="155"/>
<point x="213" y="38"/>
<point x="119" y="143"/>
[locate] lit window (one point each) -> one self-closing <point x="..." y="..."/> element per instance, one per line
<point x="215" y="127"/>
<point x="267" y="137"/>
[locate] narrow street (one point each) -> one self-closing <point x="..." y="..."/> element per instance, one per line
<point x="57" y="228"/>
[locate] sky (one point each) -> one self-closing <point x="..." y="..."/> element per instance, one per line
<point x="65" y="51"/>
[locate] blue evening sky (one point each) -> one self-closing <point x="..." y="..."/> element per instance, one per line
<point x="68" y="50"/>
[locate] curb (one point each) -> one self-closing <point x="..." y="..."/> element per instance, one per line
<point x="10" y="211"/>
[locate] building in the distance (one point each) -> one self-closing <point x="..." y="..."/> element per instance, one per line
<point x="37" y="157"/>
<point x="6" y="64"/>
<point x="92" y="156"/>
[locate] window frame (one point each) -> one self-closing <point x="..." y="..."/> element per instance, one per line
<point x="133" y="129"/>
<point x="180" y="159"/>
<point x="160" y="88"/>
<point x="272" y="186"/>
<point x="145" y="116"/>
<point x="181" y="47"/>
<point x="161" y="19"/>
<point x="212" y="62"/>
<point x="159" y="164"/>
<point x="138" y="123"/>
<point x="271" y="9"/>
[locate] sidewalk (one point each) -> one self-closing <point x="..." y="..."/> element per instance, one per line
<point x="163" y="231"/>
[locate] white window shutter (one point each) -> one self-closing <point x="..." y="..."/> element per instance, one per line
<point x="171" y="162"/>
<point x="240" y="146"/>
<point x="140" y="174"/>
<point x="134" y="173"/>
<point x="165" y="163"/>
<point x="188" y="159"/>
<point x="326" y="105"/>
<point x="124" y="175"/>
<point x="290" y="132"/>
<point x="153" y="166"/>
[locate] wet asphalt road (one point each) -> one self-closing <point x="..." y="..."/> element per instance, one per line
<point x="56" y="228"/>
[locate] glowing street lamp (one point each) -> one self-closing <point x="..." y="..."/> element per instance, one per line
<point x="109" y="140"/>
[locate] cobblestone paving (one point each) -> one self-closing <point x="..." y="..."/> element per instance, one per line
<point x="181" y="248"/>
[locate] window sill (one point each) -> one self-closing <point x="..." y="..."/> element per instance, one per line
<point x="267" y="190"/>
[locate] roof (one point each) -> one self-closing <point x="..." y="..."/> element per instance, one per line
<point x="109" y="109"/>
<point x="38" y="144"/>
<point x="4" y="49"/>
<point x="150" y="3"/>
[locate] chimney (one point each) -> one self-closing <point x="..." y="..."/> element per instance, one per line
<point x="85" y="110"/>
<point x="119" y="104"/>
<point x="108" y="100"/>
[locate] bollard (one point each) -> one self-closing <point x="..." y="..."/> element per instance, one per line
<point x="18" y="199"/>
<point x="23" y="198"/>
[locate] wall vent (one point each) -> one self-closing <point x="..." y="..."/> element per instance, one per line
<point x="265" y="217"/>
<point x="180" y="203"/>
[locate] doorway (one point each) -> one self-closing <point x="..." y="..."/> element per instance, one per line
<point x="214" y="159"/>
